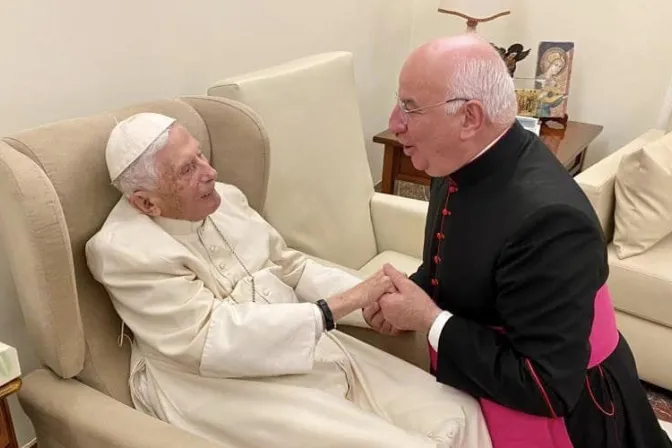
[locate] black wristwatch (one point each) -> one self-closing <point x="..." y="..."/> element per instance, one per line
<point x="326" y="315"/>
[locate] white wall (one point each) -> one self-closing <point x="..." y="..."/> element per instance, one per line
<point x="622" y="59"/>
<point x="76" y="57"/>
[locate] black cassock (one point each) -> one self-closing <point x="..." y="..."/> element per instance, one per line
<point x="521" y="257"/>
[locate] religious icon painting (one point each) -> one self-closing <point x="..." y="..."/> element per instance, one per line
<point x="553" y="74"/>
<point x="528" y="102"/>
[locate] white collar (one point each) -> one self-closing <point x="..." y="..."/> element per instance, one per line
<point x="178" y="226"/>
<point x="490" y="145"/>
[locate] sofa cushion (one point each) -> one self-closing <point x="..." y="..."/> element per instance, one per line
<point x="643" y="203"/>
<point x="401" y="262"/>
<point x="331" y="264"/>
<point x="597" y="181"/>
<point x="641" y="285"/>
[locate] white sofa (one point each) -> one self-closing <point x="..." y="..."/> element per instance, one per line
<point x="641" y="285"/>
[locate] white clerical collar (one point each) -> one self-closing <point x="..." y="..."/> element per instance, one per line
<point x="178" y="226"/>
<point x="492" y="143"/>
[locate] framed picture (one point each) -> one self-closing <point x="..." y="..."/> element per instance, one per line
<point x="528" y="102"/>
<point x="553" y="74"/>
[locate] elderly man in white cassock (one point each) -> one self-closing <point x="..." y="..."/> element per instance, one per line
<point x="234" y="334"/>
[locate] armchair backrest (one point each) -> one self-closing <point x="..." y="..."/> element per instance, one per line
<point x="320" y="183"/>
<point x="55" y="194"/>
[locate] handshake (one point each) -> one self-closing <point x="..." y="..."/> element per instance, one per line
<point x="391" y="303"/>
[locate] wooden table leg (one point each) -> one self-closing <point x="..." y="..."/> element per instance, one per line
<point x="389" y="167"/>
<point x="7" y="434"/>
<point x="582" y="155"/>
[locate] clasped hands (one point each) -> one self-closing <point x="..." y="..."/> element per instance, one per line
<point x="404" y="306"/>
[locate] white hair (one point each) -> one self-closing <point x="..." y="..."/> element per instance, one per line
<point x="142" y="174"/>
<point x="487" y="80"/>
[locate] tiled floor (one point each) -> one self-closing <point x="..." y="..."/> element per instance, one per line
<point x="411" y="190"/>
<point x="660" y="399"/>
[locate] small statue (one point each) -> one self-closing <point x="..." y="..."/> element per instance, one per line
<point x="512" y="56"/>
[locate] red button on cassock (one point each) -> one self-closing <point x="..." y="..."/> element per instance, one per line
<point x="435" y="282"/>
<point x="452" y="189"/>
<point x="437" y="259"/>
<point x="439" y="236"/>
<point x="446" y="212"/>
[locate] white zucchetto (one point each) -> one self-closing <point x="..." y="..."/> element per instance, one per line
<point x="131" y="137"/>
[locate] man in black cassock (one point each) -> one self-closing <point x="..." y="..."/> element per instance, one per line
<point x="514" y="262"/>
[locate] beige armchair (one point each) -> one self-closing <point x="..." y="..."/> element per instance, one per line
<point x="641" y="285"/>
<point x="55" y="194"/>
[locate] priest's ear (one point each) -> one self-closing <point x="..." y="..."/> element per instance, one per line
<point x="473" y="118"/>
<point x="145" y="202"/>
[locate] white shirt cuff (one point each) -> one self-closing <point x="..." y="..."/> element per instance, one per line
<point x="319" y="323"/>
<point x="437" y="328"/>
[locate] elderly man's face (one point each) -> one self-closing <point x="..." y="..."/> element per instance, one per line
<point x="430" y="135"/>
<point x="186" y="187"/>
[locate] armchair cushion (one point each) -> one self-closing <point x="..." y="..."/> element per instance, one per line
<point x="402" y="262"/>
<point x="643" y="199"/>
<point x="399" y="223"/>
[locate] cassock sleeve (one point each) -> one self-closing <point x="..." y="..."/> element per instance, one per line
<point x="546" y="276"/>
<point x="173" y="314"/>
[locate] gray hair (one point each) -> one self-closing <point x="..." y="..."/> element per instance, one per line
<point x="487" y="80"/>
<point x="143" y="173"/>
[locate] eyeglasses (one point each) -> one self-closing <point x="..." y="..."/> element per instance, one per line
<point x="406" y="112"/>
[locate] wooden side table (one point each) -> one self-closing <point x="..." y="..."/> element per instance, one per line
<point x="7" y="434"/>
<point x="569" y="145"/>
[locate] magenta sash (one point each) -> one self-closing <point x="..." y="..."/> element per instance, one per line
<point x="513" y="429"/>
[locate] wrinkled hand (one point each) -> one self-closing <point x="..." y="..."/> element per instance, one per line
<point x="373" y="315"/>
<point x="410" y="308"/>
<point x="370" y="290"/>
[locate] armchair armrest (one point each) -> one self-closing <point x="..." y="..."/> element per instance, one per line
<point x="597" y="182"/>
<point x="399" y="223"/>
<point x="69" y="413"/>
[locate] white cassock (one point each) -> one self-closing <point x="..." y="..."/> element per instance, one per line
<point x="208" y="359"/>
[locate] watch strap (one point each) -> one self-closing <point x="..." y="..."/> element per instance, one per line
<point x="326" y="314"/>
